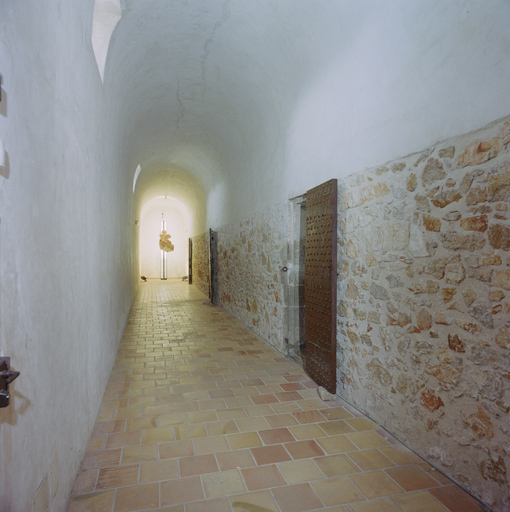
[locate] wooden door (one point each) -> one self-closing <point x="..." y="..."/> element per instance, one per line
<point x="320" y="284"/>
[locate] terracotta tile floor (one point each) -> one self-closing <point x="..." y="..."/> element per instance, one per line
<point x="200" y="415"/>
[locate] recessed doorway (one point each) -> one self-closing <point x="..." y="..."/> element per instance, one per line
<point x="177" y="226"/>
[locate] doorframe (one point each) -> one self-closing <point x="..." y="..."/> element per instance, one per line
<point x="294" y="280"/>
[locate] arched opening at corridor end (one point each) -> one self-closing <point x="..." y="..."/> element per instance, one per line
<point x="177" y="197"/>
<point x="177" y="218"/>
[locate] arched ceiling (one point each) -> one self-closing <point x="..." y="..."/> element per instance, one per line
<point x="254" y="101"/>
<point x="180" y="185"/>
<point x="206" y="87"/>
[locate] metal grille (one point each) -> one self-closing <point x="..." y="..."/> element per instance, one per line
<point x="320" y="284"/>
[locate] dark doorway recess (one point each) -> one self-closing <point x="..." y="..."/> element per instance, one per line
<point x="320" y="283"/>
<point x="190" y="261"/>
<point x="213" y="261"/>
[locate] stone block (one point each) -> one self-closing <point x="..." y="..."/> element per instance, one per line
<point x="395" y="236"/>
<point x="412" y="182"/>
<point x="431" y="223"/>
<point x="445" y="197"/>
<point x="424" y="320"/>
<point x="430" y="400"/>
<point x="480" y="424"/>
<point x="494" y="469"/>
<point x="479" y="223"/>
<point x="344" y="309"/>
<point x="394" y="281"/>
<point x="482" y="311"/>
<point x="373" y="238"/>
<point x="374" y="317"/>
<point x="448" y="152"/>
<point x="476" y="195"/>
<point x="499" y="236"/>
<point x="452" y="216"/>
<point x="353" y="337"/>
<point x="352" y="249"/>
<point x="496" y="295"/>
<point x="501" y="279"/>
<point x="491" y="259"/>
<point x="370" y="192"/>
<point x="499" y="186"/>
<point x="448" y="294"/>
<point x="378" y="372"/>
<point x="440" y="318"/>
<point x="478" y="152"/>
<point x="446" y="375"/>
<point x="455" y="343"/>
<point x="503" y="337"/>
<point x="418" y="286"/>
<point x="352" y="291"/>
<point x="403" y="319"/>
<point x="432" y="172"/>
<point x="454" y="241"/>
<point x="496" y="309"/>
<point x="480" y="274"/>
<point x="436" y="267"/>
<point x="466" y="183"/>
<point x="371" y="259"/>
<point x="469" y="326"/>
<point x="469" y="296"/>
<point x="423" y="156"/>
<point x="455" y="272"/>
<point x="504" y="133"/>
<point x="422" y="203"/>
<point x="379" y="292"/>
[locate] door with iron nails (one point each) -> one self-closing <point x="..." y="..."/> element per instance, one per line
<point x="320" y="284"/>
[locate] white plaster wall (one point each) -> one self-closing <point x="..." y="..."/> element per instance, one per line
<point x="150" y="253"/>
<point x="410" y="74"/>
<point x="66" y="240"/>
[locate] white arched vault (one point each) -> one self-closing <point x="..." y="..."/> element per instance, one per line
<point x="177" y="185"/>
<point x="259" y="100"/>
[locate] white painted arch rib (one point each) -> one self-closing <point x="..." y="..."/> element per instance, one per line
<point x="137" y="173"/>
<point x="107" y="13"/>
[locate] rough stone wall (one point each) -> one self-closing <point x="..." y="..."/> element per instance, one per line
<point x="250" y="257"/>
<point x="424" y="305"/>
<point x="200" y="263"/>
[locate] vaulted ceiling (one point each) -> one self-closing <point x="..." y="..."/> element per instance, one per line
<point x="214" y="98"/>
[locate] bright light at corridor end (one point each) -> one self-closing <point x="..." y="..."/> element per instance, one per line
<point x="178" y="218"/>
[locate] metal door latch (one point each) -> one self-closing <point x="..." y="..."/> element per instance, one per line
<point x="6" y="377"/>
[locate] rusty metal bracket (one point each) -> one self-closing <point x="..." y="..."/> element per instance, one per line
<point x="6" y="377"/>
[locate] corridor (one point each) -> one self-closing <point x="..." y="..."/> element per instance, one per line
<point x="200" y="415"/>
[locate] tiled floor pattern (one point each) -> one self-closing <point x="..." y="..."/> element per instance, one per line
<point x="199" y="415"/>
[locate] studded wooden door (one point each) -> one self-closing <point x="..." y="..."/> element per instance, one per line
<point x="320" y="284"/>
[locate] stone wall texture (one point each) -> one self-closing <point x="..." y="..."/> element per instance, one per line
<point x="200" y="263"/>
<point x="424" y="305"/>
<point x="250" y="257"/>
<point x="423" y="300"/>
